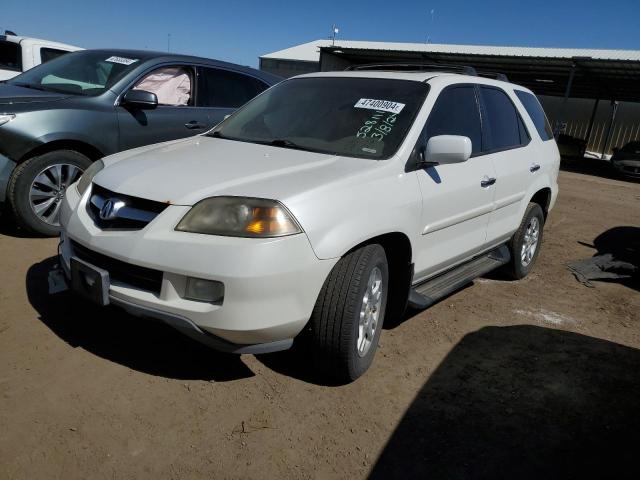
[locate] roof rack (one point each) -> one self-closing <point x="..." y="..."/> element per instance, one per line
<point x="497" y="76"/>
<point x="416" y="67"/>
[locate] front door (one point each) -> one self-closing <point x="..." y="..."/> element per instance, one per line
<point x="457" y="198"/>
<point x="176" y="116"/>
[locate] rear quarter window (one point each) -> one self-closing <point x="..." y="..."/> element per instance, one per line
<point x="535" y="111"/>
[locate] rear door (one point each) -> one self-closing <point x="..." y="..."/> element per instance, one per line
<point x="177" y="114"/>
<point x="457" y="199"/>
<point x="222" y="91"/>
<point x="505" y="139"/>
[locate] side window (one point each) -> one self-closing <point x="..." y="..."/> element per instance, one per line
<point x="504" y="128"/>
<point x="10" y="56"/>
<point x="456" y="113"/>
<point x="225" y="89"/>
<point x="535" y="111"/>
<point x="172" y="85"/>
<point x="47" y="54"/>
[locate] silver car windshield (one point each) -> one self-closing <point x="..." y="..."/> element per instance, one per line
<point x="357" y="117"/>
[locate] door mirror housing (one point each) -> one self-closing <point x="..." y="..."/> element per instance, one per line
<point x="140" y="99"/>
<point x="447" y="149"/>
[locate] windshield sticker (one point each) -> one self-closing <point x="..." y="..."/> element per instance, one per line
<point x="121" y="60"/>
<point x="378" y="126"/>
<point x="384" y="105"/>
<point x="369" y="150"/>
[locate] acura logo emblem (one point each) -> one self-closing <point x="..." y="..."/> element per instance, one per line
<point x="110" y="208"/>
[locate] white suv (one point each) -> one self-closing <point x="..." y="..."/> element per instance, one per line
<point x="19" y="54"/>
<point x="323" y="206"/>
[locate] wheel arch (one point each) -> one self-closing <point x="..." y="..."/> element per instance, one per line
<point x="79" y="146"/>
<point x="399" y="253"/>
<point x="543" y="198"/>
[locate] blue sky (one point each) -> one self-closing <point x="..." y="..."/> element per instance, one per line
<point x="241" y="31"/>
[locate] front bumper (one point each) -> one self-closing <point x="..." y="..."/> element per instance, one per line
<point x="7" y="166"/>
<point x="627" y="167"/>
<point x="271" y="285"/>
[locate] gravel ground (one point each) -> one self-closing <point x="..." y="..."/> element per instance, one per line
<point x="532" y="379"/>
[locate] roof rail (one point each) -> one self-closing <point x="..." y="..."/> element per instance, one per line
<point x="497" y="76"/>
<point x="418" y="67"/>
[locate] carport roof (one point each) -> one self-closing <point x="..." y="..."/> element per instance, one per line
<point x="606" y="74"/>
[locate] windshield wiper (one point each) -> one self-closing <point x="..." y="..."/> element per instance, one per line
<point x="283" y="142"/>
<point x="29" y="85"/>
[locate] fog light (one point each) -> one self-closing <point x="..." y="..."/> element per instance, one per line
<point x="204" y="290"/>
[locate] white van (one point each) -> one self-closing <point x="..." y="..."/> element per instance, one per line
<point x="19" y="54"/>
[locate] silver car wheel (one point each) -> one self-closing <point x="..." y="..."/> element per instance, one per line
<point x="370" y="312"/>
<point x="530" y="243"/>
<point x="48" y="189"/>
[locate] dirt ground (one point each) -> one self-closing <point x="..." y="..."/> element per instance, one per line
<point x="532" y="379"/>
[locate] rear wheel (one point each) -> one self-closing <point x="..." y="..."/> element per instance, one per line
<point x="525" y="243"/>
<point x="38" y="185"/>
<point x="348" y="315"/>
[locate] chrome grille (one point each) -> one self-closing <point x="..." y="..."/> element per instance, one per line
<point x="125" y="212"/>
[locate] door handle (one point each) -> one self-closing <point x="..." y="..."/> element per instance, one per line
<point x="195" y="125"/>
<point x="487" y="182"/>
<point x="534" y="168"/>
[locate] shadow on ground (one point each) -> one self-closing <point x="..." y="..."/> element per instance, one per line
<point x="522" y="402"/>
<point x="140" y="344"/>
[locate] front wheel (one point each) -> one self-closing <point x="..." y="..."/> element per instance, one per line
<point x="525" y="243"/>
<point x="38" y="185"/>
<point x="348" y="315"/>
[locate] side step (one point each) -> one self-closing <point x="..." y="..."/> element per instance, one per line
<point x="427" y="293"/>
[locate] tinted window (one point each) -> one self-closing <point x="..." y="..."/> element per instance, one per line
<point x="356" y="117"/>
<point x="503" y="124"/>
<point x="535" y="111"/>
<point x="456" y="113"/>
<point x="10" y="56"/>
<point x="221" y="88"/>
<point x="47" y="54"/>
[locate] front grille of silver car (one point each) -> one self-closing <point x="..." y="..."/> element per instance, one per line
<point x="133" y="213"/>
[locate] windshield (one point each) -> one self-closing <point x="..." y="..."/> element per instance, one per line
<point x="80" y="73"/>
<point x="358" y="117"/>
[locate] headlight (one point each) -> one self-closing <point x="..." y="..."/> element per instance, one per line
<point x="239" y="217"/>
<point x="6" y="118"/>
<point x="87" y="176"/>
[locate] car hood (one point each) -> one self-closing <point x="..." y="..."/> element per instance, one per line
<point x="184" y="172"/>
<point x="13" y="94"/>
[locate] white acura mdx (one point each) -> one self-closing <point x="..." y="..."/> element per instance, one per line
<point x="323" y="206"/>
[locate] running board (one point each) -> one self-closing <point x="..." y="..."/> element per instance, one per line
<point x="427" y="293"/>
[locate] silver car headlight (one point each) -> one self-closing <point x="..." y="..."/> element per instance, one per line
<point x="6" y="118"/>
<point x="87" y="176"/>
<point x="239" y="217"/>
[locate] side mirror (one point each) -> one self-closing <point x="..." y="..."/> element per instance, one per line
<point x="140" y="99"/>
<point x="447" y="149"/>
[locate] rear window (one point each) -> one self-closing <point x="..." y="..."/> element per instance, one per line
<point x="10" y="56"/>
<point x="225" y="89"/>
<point x="535" y="111"/>
<point x="504" y="127"/>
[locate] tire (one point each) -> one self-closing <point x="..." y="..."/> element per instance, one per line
<point x="522" y="262"/>
<point x="47" y="193"/>
<point x="335" y="321"/>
